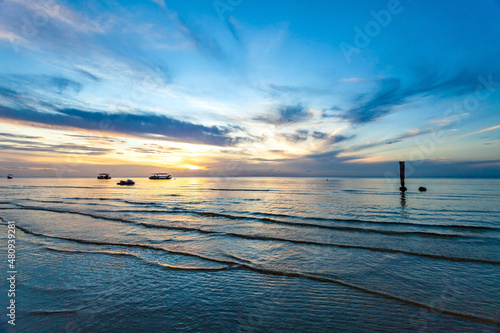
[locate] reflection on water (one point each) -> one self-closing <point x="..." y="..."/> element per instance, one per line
<point x="402" y="200"/>
<point x="205" y="253"/>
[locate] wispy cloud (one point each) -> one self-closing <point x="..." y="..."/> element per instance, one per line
<point x="391" y="92"/>
<point x="298" y="136"/>
<point x="286" y="115"/>
<point x="483" y="130"/>
<point x="354" y="79"/>
<point x="34" y="145"/>
<point x="164" y="127"/>
<point x="160" y="3"/>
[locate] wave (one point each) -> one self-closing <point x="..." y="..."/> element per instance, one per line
<point x="244" y="264"/>
<point x="267" y="217"/>
<point x="385" y="223"/>
<point x="269" y="238"/>
<point x="238" y="190"/>
<point x="368" y="291"/>
<point x="151" y="203"/>
<point x="126" y="254"/>
<point x="341" y="228"/>
<point x="82" y="198"/>
<point x="334" y="227"/>
<point x="54" y="186"/>
<point x="52" y="312"/>
<point x="141" y="246"/>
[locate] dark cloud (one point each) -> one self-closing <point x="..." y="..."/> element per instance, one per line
<point x="54" y="84"/>
<point x="154" y="149"/>
<point x="338" y="138"/>
<point x="8" y="93"/>
<point x="235" y="151"/>
<point x="319" y="135"/>
<point x="303" y="135"/>
<point x="393" y="140"/>
<point x="285" y="115"/>
<point x="96" y="138"/>
<point x="331" y="112"/>
<point x="259" y="159"/>
<point x="62" y="85"/>
<point x="391" y="92"/>
<point x="322" y="156"/>
<point x="378" y="105"/>
<point x="298" y="136"/>
<point x="19" y="136"/>
<point x="134" y="124"/>
<point x="70" y="149"/>
<point x="88" y="75"/>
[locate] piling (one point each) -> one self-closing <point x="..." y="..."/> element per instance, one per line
<point x="402" y="176"/>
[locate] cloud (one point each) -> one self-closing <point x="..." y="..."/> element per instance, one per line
<point x="97" y="139"/>
<point x="354" y="80"/>
<point x="55" y="84"/>
<point x="154" y="149"/>
<point x="19" y="136"/>
<point x="326" y="155"/>
<point x="286" y="115"/>
<point x="393" y="140"/>
<point x="377" y="105"/>
<point x="483" y="130"/>
<point x="160" y="3"/>
<point x="338" y="138"/>
<point x="298" y="136"/>
<point x="48" y="23"/>
<point x="319" y="135"/>
<point x="331" y="112"/>
<point x="277" y="90"/>
<point x="87" y="74"/>
<point x="391" y="92"/>
<point x="128" y="123"/>
<point x="449" y="120"/>
<point x="36" y="146"/>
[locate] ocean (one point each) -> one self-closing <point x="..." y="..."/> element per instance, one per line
<point x="252" y="255"/>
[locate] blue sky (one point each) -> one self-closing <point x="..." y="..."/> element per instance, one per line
<point x="240" y="87"/>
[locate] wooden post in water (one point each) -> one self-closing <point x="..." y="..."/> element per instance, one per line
<point x="402" y="176"/>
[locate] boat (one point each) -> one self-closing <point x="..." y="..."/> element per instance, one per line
<point x="126" y="182"/>
<point x="160" y="175"/>
<point x="104" y="176"/>
<point x="10" y="176"/>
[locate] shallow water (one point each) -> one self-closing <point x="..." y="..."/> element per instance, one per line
<point x="255" y="254"/>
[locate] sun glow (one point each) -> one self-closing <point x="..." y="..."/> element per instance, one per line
<point x="191" y="167"/>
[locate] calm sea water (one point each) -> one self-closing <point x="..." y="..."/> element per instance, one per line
<point x="253" y="254"/>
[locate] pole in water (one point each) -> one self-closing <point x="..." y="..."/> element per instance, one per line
<point x="402" y="175"/>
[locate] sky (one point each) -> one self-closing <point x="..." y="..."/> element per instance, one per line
<point x="250" y="88"/>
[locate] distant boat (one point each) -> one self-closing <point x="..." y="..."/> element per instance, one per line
<point x="104" y="176"/>
<point x="126" y="182"/>
<point x="160" y="175"/>
<point x="10" y="176"/>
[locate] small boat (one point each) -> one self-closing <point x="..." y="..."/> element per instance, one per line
<point x="160" y="175"/>
<point x="104" y="176"/>
<point x="10" y="176"/>
<point x="126" y="182"/>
